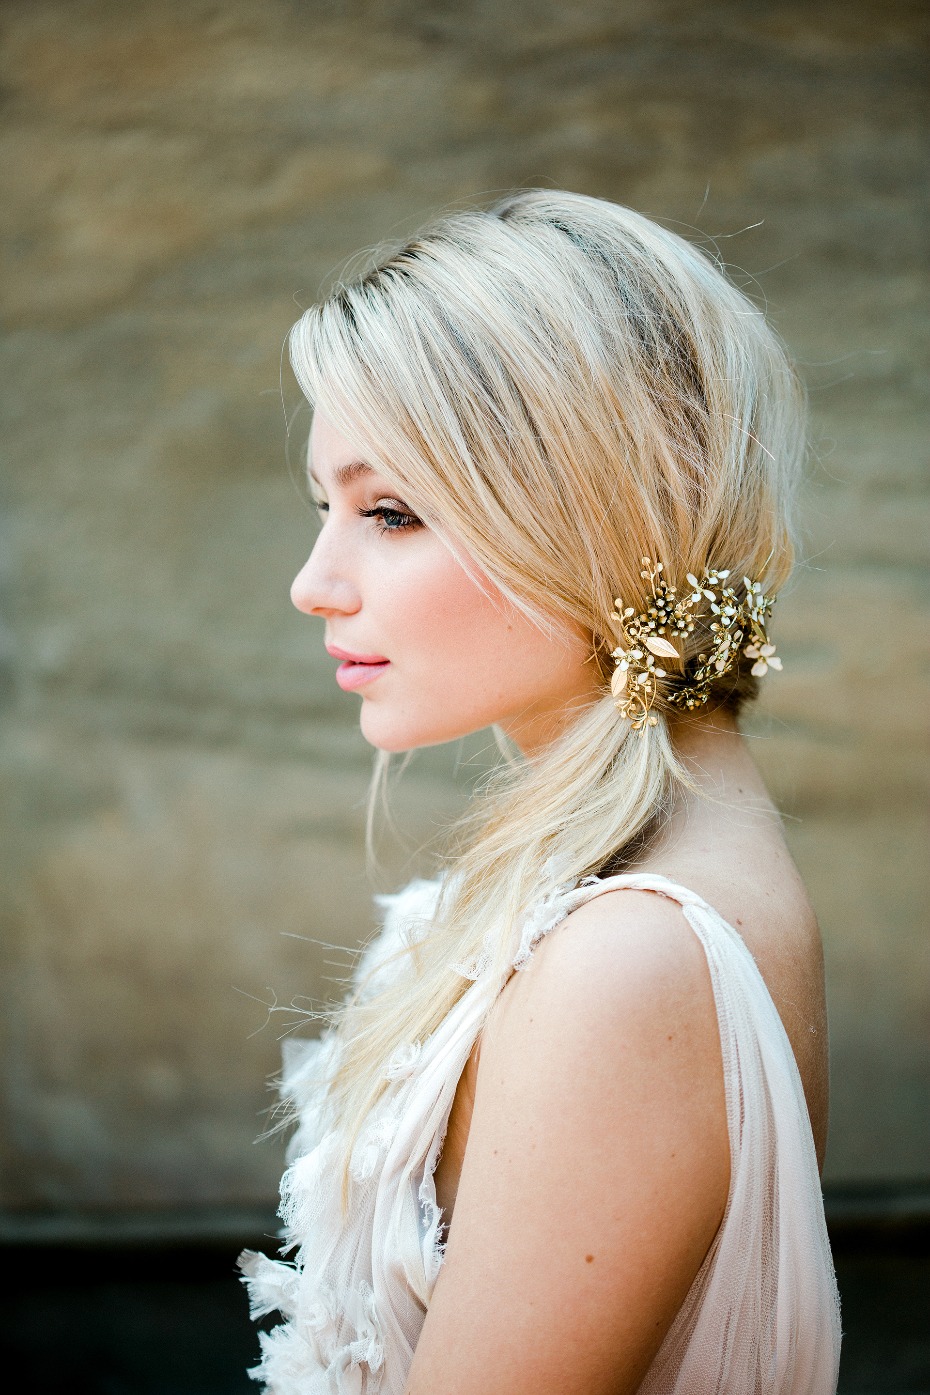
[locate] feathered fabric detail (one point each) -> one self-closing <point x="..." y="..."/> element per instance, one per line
<point x="333" y="1340"/>
<point x="271" y="1284"/>
<point x="290" y="1363"/>
<point x="307" y="1070"/>
<point x="336" y="1348"/>
<point x="407" y="918"/>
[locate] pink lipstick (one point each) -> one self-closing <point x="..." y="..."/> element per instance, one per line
<point x="356" y="669"/>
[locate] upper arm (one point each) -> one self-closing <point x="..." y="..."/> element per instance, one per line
<point x="597" y="1165"/>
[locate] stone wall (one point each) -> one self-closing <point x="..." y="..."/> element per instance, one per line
<point x="182" y="782"/>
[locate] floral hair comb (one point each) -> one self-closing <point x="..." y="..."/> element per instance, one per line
<point x="738" y="626"/>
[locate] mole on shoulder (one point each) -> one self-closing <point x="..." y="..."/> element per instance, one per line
<point x="589" y="1259"/>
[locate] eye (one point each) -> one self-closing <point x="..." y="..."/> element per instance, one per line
<point x="391" y="518"/>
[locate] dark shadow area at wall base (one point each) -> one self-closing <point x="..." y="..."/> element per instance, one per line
<point x="149" y="1304"/>
<point x="119" y="1322"/>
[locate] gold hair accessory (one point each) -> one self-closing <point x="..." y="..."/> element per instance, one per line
<point x="738" y="626"/>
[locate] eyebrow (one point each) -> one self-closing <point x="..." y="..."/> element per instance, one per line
<point x="344" y="475"/>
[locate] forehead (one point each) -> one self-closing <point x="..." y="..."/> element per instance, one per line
<point x="330" y="457"/>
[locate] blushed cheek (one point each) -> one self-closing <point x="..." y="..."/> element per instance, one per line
<point x="460" y="633"/>
<point x="484" y="652"/>
<point x="468" y="617"/>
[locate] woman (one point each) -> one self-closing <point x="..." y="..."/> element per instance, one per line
<point x="565" y="1133"/>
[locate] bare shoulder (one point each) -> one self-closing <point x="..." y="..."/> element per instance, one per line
<point x="626" y="965"/>
<point x="616" y="1009"/>
<point x="597" y="1164"/>
<point x="619" y="996"/>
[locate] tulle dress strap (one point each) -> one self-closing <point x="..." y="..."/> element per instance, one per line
<point x="762" y="1316"/>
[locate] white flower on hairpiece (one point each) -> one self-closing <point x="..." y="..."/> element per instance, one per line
<point x="764" y="655"/>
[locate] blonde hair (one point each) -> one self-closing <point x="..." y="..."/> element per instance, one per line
<point x="563" y="388"/>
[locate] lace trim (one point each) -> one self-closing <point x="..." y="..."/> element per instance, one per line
<point x="547" y="913"/>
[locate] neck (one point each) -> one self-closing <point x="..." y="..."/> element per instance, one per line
<point x="724" y="778"/>
<point x="708" y="738"/>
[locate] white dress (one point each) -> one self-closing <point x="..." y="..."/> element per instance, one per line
<point x="762" y="1316"/>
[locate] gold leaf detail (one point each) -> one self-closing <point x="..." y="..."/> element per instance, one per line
<point x="661" y="647"/>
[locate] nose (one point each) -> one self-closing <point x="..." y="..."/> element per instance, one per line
<point x="322" y="588"/>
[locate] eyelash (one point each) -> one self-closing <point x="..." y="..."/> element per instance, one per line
<point x="382" y="512"/>
<point x="409" y="520"/>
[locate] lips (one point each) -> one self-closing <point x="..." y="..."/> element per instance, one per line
<point x="356" y="669"/>
<point x="350" y="658"/>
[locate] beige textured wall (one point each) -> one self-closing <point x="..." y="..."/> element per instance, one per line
<point x="181" y="779"/>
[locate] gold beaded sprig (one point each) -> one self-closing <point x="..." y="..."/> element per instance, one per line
<point x="738" y="626"/>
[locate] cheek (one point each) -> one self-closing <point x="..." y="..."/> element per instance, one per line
<point x="467" y="657"/>
<point x="467" y="628"/>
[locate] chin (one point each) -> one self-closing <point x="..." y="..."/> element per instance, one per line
<point x="393" y="737"/>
